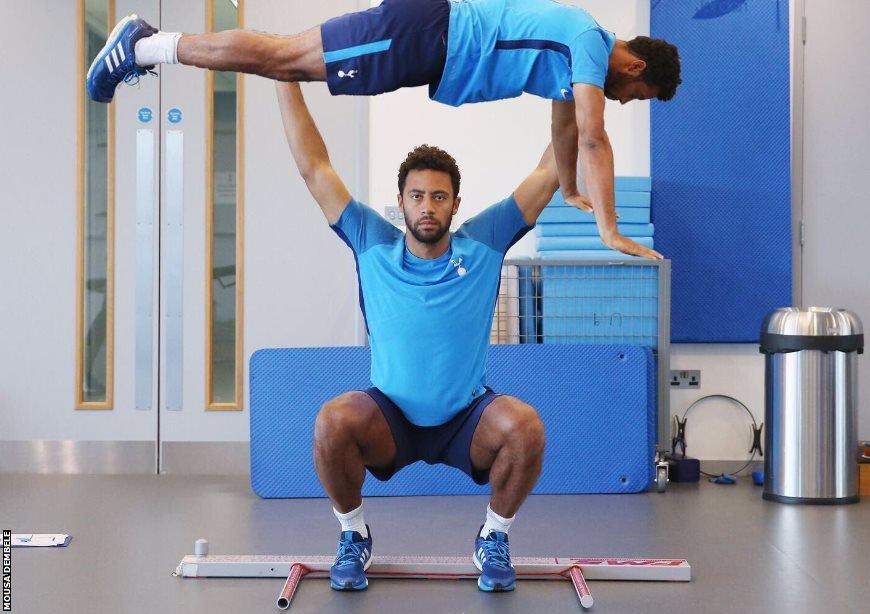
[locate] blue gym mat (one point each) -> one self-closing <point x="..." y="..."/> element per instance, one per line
<point x="546" y="244"/>
<point x="597" y="403"/>
<point x="572" y="215"/>
<point x="591" y="230"/>
<point x="721" y="166"/>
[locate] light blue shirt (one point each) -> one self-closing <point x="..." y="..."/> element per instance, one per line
<point x="429" y="321"/>
<point x="499" y="49"/>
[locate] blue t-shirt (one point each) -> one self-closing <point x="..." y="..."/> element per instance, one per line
<point x="429" y="321"/>
<point x="499" y="49"/>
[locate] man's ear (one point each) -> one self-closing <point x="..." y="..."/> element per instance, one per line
<point x="456" y="202"/>
<point x="400" y="202"/>
<point x="636" y="68"/>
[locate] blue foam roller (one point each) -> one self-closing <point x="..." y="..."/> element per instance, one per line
<point x="597" y="403"/>
<point x="572" y="215"/>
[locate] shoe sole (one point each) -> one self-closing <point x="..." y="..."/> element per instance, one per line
<point x="110" y="43"/>
<point x="353" y="587"/>
<point x="498" y="588"/>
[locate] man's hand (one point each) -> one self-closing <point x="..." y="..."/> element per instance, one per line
<point x="627" y="246"/>
<point x="578" y="200"/>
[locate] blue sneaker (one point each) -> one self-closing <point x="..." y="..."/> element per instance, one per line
<point x="492" y="557"/>
<point x="116" y="61"/>
<point x="354" y="556"/>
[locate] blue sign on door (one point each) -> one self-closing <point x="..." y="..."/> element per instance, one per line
<point x="174" y="115"/>
<point x="145" y="115"/>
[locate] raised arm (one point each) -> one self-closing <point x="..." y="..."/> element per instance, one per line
<point x="597" y="158"/>
<point x="310" y="153"/>
<point x="536" y="190"/>
<point x="564" y="135"/>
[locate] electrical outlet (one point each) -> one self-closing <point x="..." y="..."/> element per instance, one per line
<point x="685" y="379"/>
<point x="394" y="216"/>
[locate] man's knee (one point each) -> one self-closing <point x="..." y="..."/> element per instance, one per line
<point x="341" y="419"/>
<point x="523" y="428"/>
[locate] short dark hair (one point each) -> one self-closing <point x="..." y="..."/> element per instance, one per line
<point x="428" y="157"/>
<point x="662" y="64"/>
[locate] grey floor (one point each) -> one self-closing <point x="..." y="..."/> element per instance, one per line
<point x="129" y="532"/>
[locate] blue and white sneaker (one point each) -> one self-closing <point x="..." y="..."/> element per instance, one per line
<point x="492" y="557"/>
<point x="354" y="556"/>
<point x="116" y="61"/>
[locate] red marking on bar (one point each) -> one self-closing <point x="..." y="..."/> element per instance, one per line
<point x="632" y="562"/>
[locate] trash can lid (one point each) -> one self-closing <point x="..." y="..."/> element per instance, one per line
<point x="790" y="329"/>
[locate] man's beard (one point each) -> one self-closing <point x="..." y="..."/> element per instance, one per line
<point x="428" y="236"/>
<point x="611" y="81"/>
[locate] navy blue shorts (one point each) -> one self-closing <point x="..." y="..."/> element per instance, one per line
<point x="400" y="43"/>
<point x="448" y="443"/>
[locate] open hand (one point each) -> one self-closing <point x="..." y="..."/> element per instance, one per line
<point x="627" y="246"/>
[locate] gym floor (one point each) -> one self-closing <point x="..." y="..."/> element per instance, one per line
<point x="129" y="533"/>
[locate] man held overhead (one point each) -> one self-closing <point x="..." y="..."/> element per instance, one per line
<point x="465" y="51"/>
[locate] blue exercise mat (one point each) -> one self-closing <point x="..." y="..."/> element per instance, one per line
<point x="721" y="160"/>
<point x="597" y="403"/>
<point x="633" y="184"/>
<point x="591" y="230"/>
<point x="623" y="199"/>
<point x="579" y="254"/>
<point x="572" y="215"/>
<point x="546" y="244"/>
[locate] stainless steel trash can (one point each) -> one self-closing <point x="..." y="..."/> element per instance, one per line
<point x="811" y="393"/>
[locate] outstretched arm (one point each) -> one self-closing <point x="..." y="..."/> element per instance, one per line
<point x="564" y="134"/>
<point x="536" y="190"/>
<point x="597" y="157"/>
<point x="310" y="153"/>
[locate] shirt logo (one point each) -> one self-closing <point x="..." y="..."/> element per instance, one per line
<point x="457" y="264"/>
<point x="350" y="73"/>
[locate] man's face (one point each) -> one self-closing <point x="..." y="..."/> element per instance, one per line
<point x="428" y="204"/>
<point x="626" y="84"/>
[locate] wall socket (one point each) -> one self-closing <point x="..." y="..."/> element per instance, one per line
<point x="685" y="379"/>
<point x="394" y="216"/>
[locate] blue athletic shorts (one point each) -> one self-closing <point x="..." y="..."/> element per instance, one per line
<point x="448" y="443"/>
<point x="400" y="43"/>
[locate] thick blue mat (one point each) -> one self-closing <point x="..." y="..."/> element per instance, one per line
<point x="572" y="215"/>
<point x="721" y="166"/>
<point x="591" y="230"/>
<point x="551" y="244"/>
<point x="597" y="403"/>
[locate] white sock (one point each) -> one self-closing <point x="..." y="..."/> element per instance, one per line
<point x="160" y="48"/>
<point x="353" y="521"/>
<point x="494" y="522"/>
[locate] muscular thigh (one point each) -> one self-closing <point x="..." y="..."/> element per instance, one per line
<point x="354" y="416"/>
<point x="505" y="416"/>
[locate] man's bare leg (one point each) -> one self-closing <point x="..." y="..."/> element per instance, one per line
<point x="509" y="441"/>
<point x="282" y="58"/>
<point x="350" y="433"/>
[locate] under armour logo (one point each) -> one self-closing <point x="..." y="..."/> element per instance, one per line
<point x="460" y="270"/>
<point x="350" y="73"/>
